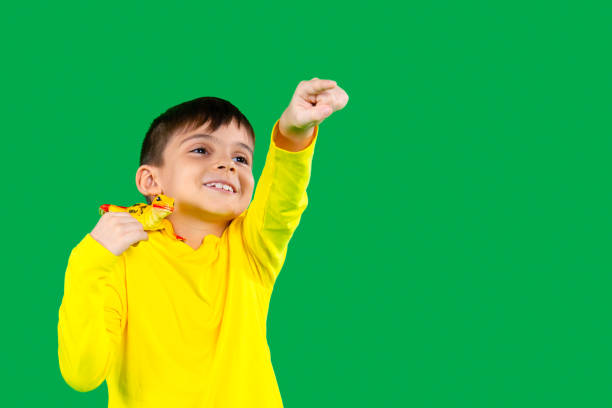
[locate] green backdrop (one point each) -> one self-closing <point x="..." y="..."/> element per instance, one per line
<point x="455" y="251"/>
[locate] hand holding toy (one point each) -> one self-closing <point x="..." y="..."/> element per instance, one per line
<point x="120" y="227"/>
<point x="149" y="215"/>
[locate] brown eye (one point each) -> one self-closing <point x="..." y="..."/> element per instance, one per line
<point x="199" y="148"/>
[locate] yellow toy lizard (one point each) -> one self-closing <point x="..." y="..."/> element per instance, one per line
<point x="149" y="215"/>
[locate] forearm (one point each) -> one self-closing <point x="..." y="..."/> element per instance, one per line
<point x="84" y="349"/>
<point x="279" y="201"/>
<point x="89" y="322"/>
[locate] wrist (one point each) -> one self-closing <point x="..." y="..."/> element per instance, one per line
<point x="292" y="140"/>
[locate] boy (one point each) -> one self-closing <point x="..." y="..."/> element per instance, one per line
<point x="177" y="317"/>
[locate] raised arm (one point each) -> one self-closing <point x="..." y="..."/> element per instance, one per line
<point x="279" y="201"/>
<point x="280" y="197"/>
<point x="92" y="314"/>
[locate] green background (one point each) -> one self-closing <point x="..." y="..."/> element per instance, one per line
<point x="455" y="251"/>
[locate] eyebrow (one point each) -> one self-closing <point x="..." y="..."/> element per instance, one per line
<point x="216" y="139"/>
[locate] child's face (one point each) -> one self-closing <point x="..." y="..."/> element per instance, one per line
<point x="191" y="161"/>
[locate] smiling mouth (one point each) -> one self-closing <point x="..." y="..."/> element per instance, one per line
<point x="222" y="190"/>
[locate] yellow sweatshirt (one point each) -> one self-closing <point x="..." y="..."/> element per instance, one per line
<point x="170" y="326"/>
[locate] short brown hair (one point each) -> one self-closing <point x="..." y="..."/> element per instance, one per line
<point x="184" y="117"/>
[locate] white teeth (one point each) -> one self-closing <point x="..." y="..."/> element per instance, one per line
<point x="223" y="186"/>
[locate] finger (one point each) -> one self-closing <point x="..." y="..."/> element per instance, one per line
<point x="119" y="213"/>
<point x="137" y="235"/>
<point x="133" y="223"/>
<point x="117" y="216"/>
<point x="142" y="234"/>
<point x="125" y="217"/>
<point x="336" y="98"/>
<point x="317" y="113"/>
<point x="130" y="229"/>
<point x="327" y="98"/>
<point x="324" y="111"/>
<point x="316" y="85"/>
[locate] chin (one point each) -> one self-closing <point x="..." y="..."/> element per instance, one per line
<point x="220" y="213"/>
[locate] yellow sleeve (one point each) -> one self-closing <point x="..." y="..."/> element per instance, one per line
<point x="91" y="315"/>
<point x="277" y="206"/>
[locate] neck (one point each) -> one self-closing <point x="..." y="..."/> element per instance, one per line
<point x="195" y="229"/>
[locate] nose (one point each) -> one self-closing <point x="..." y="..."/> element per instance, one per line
<point x="223" y="165"/>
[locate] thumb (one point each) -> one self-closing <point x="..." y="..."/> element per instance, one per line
<point x="319" y="112"/>
<point x="322" y="111"/>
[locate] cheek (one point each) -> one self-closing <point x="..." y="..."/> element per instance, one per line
<point x="249" y="184"/>
<point x="184" y="179"/>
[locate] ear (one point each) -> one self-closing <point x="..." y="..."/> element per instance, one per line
<point x="147" y="180"/>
